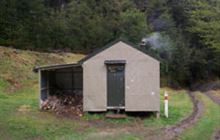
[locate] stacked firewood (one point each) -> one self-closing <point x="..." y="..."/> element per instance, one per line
<point x="64" y="105"/>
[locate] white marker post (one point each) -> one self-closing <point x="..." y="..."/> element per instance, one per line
<point x="166" y="104"/>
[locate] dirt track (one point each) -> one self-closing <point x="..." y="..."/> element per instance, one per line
<point x="216" y="135"/>
<point x="214" y="99"/>
<point x="173" y="131"/>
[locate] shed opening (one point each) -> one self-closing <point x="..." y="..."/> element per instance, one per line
<point x="61" y="90"/>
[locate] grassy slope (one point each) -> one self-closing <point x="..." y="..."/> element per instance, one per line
<point x="16" y="65"/>
<point x="21" y="119"/>
<point x="207" y="124"/>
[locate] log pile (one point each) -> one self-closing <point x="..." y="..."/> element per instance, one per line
<point x="68" y="105"/>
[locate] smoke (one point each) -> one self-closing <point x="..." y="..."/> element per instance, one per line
<point x="158" y="42"/>
<point x="153" y="40"/>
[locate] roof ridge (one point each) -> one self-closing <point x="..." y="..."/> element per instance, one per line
<point x="122" y="39"/>
<point x="111" y="43"/>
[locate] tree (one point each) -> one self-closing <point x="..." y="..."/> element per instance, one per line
<point x="94" y="23"/>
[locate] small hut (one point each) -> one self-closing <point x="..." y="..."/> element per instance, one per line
<point x="117" y="76"/>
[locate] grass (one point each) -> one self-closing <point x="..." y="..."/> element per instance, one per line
<point x="3" y="84"/>
<point x="180" y="106"/>
<point x="207" y="124"/>
<point x="106" y="136"/>
<point x="16" y="65"/>
<point x="20" y="118"/>
<point x="93" y="116"/>
<point x="215" y="93"/>
<point x="101" y="116"/>
<point x="19" y="115"/>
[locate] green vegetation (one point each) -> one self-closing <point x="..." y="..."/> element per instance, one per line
<point x="207" y="124"/>
<point x="80" y="26"/>
<point x="117" y="137"/>
<point x="180" y="105"/>
<point x="19" y="114"/>
<point x="186" y="41"/>
<point x="16" y="66"/>
<point x="21" y="119"/>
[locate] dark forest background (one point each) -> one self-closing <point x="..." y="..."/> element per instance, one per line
<point x="183" y="34"/>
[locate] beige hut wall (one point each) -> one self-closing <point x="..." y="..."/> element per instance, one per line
<point x="142" y="83"/>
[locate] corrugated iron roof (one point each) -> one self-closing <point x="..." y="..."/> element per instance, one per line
<point x="55" y="66"/>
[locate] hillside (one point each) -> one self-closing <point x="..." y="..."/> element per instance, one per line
<point x="16" y="66"/>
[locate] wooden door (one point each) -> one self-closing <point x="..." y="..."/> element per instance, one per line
<point x="115" y="86"/>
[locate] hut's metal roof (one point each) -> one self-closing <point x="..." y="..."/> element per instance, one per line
<point x="56" y="66"/>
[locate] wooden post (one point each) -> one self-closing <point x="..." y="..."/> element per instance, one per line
<point x="39" y="77"/>
<point x="158" y="114"/>
<point x="166" y="104"/>
<point x="48" y="89"/>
